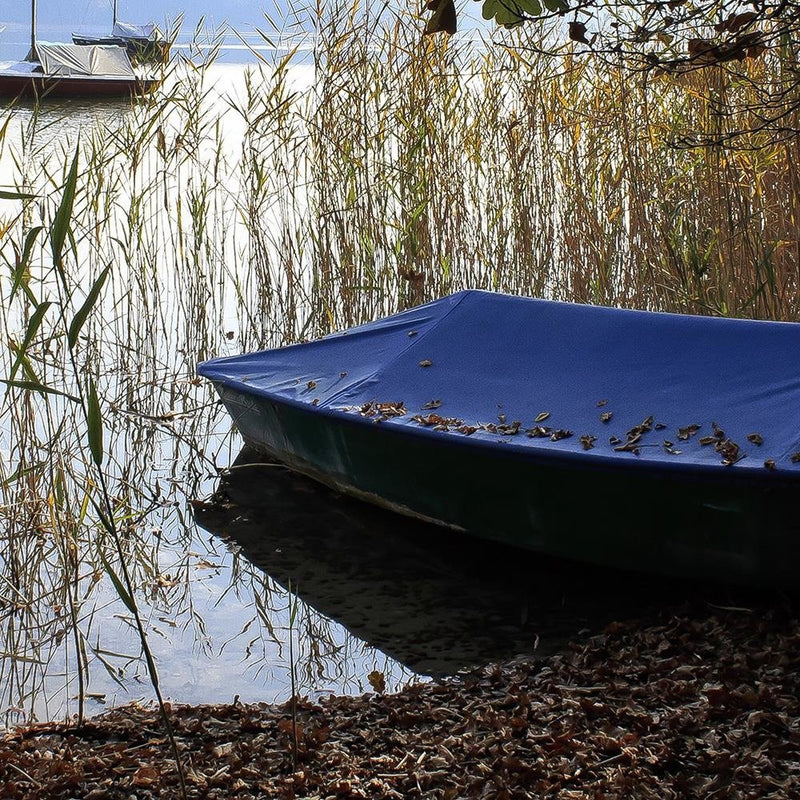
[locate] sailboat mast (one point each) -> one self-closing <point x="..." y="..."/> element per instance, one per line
<point x="33" y="56"/>
<point x="114" y="21"/>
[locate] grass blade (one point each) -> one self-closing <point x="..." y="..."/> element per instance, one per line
<point x="83" y="312"/>
<point x="95" y="424"/>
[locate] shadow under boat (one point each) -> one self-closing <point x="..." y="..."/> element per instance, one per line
<point x="436" y="601"/>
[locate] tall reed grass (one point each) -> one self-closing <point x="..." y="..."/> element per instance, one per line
<point x="372" y="172"/>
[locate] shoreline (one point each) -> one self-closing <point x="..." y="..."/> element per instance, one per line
<point x="690" y="706"/>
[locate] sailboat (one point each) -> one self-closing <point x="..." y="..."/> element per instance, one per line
<point x="71" y="70"/>
<point x="143" y="43"/>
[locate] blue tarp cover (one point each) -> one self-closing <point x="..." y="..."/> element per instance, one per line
<point x="650" y="389"/>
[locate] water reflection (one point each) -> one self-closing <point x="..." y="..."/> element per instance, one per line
<point x="435" y="601"/>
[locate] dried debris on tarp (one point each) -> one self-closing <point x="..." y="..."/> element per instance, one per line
<point x="692" y="708"/>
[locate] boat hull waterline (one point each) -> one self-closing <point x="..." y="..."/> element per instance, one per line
<point x="694" y="512"/>
<point x="39" y="86"/>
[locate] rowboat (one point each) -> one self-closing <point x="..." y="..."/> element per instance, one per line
<point x="644" y="441"/>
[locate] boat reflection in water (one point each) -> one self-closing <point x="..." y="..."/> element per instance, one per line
<point x="435" y="601"/>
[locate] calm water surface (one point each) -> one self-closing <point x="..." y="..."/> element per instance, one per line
<point x="221" y="557"/>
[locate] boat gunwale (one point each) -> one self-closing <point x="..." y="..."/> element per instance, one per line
<point x="586" y="460"/>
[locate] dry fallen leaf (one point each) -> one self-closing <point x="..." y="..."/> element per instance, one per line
<point x="377" y="681"/>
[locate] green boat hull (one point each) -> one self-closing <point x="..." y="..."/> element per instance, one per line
<point x="720" y="527"/>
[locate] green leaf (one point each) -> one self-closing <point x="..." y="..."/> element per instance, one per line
<point x="34" y="323"/>
<point x="35" y="386"/>
<point x="556" y="6"/>
<point x="83" y="312"/>
<point x="489" y="8"/>
<point x="7" y="194"/>
<point x="21" y="271"/>
<point x="533" y="8"/>
<point x="118" y="585"/>
<point x="58" y="232"/>
<point x="94" y="422"/>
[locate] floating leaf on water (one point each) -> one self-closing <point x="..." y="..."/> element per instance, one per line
<point x="501" y="418"/>
<point x="659" y="426"/>
<point x="413" y="333"/>
<point x="718" y="432"/>
<point x="426" y="362"/>
<point x="795" y="458"/>
<point x="769" y="464"/>
<point x="670" y="449"/>
<point x="509" y="430"/>
<point x="706" y="440"/>
<point x="755" y="438"/>
<point x="542" y="417"/>
<point x="601" y="403"/>
<point x="687" y="432"/>
<point x="311" y="385"/>
<point x="315" y="401"/>
<point x="614" y="440"/>
<point x="606" y="416"/>
<point x="467" y="430"/>
<point x="342" y="374"/>
<point x="431" y="405"/>
<point x="560" y="433"/>
<point x="587" y="441"/>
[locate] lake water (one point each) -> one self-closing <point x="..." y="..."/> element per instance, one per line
<point x="209" y="231"/>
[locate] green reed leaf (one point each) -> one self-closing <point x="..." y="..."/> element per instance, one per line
<point x="94" y="423"/>
<point x="20" y="273"/>
<point x="61" y="223"/>
<point x="83" y="312"/>
<point x="40" y="388"/>
<point x="8" y="194"/>
<point x="119" y="586"/>
<point x="34" y="323"/>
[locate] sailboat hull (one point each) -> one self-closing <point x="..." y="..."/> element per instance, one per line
<point x="41" y="86"/>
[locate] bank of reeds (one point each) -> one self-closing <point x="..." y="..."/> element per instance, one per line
<point x="237" y="209"/>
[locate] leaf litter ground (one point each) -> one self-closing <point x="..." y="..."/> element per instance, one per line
<point x="703" y="705"/>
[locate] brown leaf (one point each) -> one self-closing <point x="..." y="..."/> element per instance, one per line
<point x="687" y="432"/>
<point x="145" y="777"/>
<point x="443" y="18"/>
<point x="377" y="681"/>
<point x="577" y="32"/>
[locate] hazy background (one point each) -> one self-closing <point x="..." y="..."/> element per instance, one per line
<point x="56" y="21"/>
